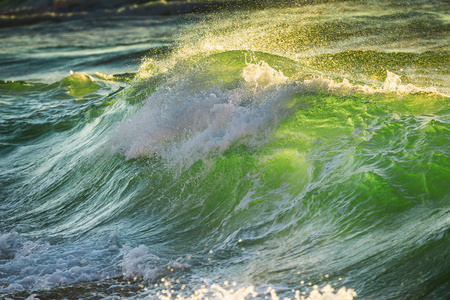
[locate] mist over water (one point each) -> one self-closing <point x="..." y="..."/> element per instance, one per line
<point x="252" y="151"/>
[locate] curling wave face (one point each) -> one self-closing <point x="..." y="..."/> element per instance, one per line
<point x="254" y="160"/>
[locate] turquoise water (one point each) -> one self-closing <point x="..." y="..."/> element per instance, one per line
<point x="237" y="152"/>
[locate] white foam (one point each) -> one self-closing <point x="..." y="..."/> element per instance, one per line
<point x="141" y="263"/>
<point x="232" y="292"/>
<point x="181" y="125"/>
<point x="260" y="74"/>
<point x="37" y="264"/>
<point x="392" y="84"/>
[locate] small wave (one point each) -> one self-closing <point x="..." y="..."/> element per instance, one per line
<point x="35" y="264"/>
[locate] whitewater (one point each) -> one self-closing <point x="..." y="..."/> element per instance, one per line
<point x="226" y="150"/>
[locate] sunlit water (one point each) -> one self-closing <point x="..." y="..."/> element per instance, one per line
<point x="284" y="152"/>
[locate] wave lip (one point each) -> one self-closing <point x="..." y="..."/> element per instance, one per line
<point x="181" y="123"/>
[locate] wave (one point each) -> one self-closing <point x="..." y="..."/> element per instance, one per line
<point x="234" y="97"/>
<point x="229" y="159"/>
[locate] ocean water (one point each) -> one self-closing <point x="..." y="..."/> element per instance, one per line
<point x="227" y="150"/>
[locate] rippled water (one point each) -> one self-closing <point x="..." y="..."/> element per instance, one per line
<point x="240" y="151"/>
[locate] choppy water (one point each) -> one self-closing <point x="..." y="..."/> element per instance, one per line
<point x="239" y="153"/>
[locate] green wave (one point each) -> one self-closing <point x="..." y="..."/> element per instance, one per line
<point x="348" y="180"/>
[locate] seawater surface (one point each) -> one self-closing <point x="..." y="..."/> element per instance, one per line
<point x="239" y="151"/>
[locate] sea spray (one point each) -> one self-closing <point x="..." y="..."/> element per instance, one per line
<point x="270" y="153"/>
<point x="177" y="123"/>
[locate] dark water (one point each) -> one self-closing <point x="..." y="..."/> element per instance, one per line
<point x="224" y="151"/>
